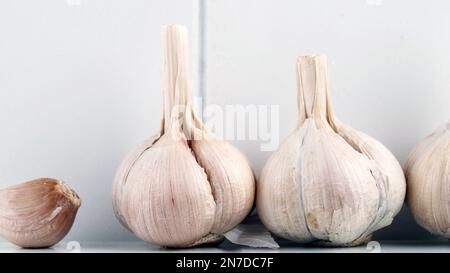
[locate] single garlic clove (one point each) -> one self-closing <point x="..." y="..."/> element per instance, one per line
<point x="427" y="171"/>
<point x="231" y="180"/>
<point x="168" y="199"/>
<point x="122" y="175"/>
<point x="327" y="183"/>
<point x="37" y="213"/>
<point x="385" y="162"/>
<point x="279" y="194"/>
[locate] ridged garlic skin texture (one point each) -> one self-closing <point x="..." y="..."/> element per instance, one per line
<point x="327" y="183"/>
<point x="183" y="194"/>
<point x="177" y="190"/>
<point x="38" y="213"/>
<point x="171" y="191"/>
<point x="427" y="171"/>
<point x="231" y="180"/>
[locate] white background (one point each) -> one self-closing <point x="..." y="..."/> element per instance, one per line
<point x="80" y="80"/>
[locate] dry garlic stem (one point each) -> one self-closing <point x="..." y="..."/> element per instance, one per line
<point x="38" y="213"/>
<point x="327" y="182"/>
<point x="182" y="187"/>
<point x="428" y="177"/>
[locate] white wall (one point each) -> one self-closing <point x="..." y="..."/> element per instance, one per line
<point x="80" y="80"/>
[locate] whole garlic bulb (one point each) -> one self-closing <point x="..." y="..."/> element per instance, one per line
<point x="427" y="171"/>
<point x="38" y="213"/>
<point x="327" y="182"/>
<point x="182" y="187"/>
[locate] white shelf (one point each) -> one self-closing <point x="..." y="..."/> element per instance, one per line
<point x="142" y="247"/>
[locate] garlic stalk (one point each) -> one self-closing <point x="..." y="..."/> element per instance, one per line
<point x="182" y="187"/>
<point x="37" y="213"/>
<point x="427" y="171"/>
<point x="327" y="182"/>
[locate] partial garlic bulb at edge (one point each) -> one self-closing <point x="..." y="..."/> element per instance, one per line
<point x="37" y="213"/>
<point x="183" y="187"/>
<point x="327" y="182"/>
<point x="427" y="171"/>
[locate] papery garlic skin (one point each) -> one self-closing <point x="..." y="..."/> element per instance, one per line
<point x="232" y="187"/>
<point x="122" y="172"/>
<point x="327" y="182"/>
<point x="172" y="194"/>
<point x="427" y="172"/>
<point x="183" y="187"/>
<point x="38" y="213"/>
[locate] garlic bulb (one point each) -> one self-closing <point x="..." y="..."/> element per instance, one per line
<point x="38" y="213"/>
<point x="428" y="178"/>
<point x="182" y="187"/>
<point x="327" y="183"/>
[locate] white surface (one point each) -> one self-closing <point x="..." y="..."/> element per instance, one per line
<point x="141" y="247"/>
<point x="80" y="80"/>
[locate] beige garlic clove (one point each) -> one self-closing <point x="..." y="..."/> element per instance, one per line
<point x="38" y="213"/>
<point x="168" y="197"/>
<point x="183" y="187"/>
<point x="327" y="183"/>
<point x="427" y="171"/>
<point x="232" y="187"/>
<point x="122" y="175"/>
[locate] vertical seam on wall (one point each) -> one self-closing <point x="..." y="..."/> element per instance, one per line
<point x="202" y="61"/>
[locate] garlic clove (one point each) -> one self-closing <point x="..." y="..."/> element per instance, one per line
<point x="231" y="180"/>
<point x="327" y="183"/>
<point x="386" y="163"/>
<point x="122" y="174"/>
<point x="172" y="191"/>
<point x="37" y="213"/>
<point x="427" y="172"/>
<point x="279" y="202"/>
<point x="344" y="195"/>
